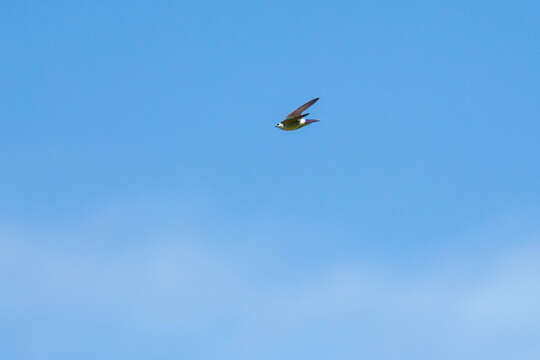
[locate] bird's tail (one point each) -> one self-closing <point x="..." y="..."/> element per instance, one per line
<point x="309" y="121"/>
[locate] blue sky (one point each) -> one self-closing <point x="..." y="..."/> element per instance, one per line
<point x="150" y="209"/>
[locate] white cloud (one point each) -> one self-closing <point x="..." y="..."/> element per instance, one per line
<point x="510" y="295"/>
<point x="180" y="284"/>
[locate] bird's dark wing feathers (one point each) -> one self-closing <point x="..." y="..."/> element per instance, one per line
<point x="298" y="112"/>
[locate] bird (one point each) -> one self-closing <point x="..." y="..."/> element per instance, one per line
<point x="296" y="119"/>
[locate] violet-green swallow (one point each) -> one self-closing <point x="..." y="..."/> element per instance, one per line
<point x="296" y="119"/>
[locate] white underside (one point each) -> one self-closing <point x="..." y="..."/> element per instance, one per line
<point x="302" y="121"/>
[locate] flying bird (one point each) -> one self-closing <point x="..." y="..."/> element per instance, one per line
<point x="296" y="119"/>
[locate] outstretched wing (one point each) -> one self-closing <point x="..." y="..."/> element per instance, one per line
<point x="301" y="109"/>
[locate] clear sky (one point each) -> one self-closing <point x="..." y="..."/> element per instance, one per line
<point x="151" y="210"/>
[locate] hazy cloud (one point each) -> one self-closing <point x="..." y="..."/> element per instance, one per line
<point x="182" y="285"/>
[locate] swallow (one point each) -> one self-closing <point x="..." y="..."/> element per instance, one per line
<point x="296" y="119"/>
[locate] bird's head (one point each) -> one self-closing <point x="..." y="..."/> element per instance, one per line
<point x="279" y="125"/>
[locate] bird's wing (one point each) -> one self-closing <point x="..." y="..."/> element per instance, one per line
<point x="301" y="109"/>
